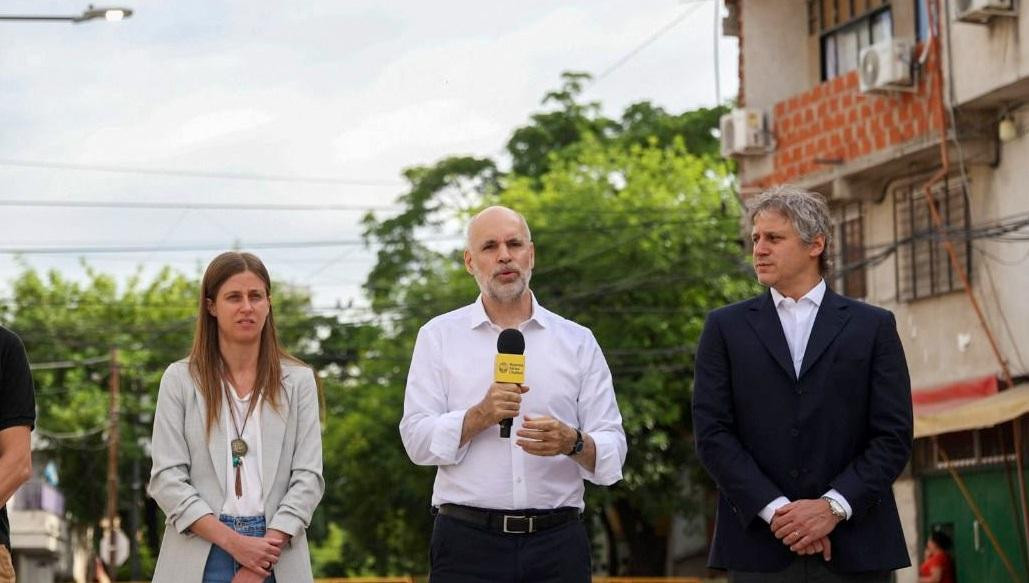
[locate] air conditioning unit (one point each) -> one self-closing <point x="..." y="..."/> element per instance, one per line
<point x="886" y="66"/>
<point x="743" y="133"/>
<point x="981" y="11"/>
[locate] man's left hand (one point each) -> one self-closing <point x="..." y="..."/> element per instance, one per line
<point x="800" y="523"/>
<point x="545" y="436"/>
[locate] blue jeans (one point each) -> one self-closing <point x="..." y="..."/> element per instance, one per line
<point x="221" y="567"/>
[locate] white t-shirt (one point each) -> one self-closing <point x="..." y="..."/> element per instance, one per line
<point x="251" y="503"/>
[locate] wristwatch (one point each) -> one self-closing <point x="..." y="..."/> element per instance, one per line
<point x="836" y="508"/>
<point x="577" y="448"/>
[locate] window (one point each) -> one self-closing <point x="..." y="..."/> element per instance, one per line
<point x="923" y="266"/>
<point x="992" y="445"/>
<point x="849" y="250"/>
<point x="921" y="20"/>
<point x="846" y="27"/>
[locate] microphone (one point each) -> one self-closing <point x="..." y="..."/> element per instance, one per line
<point x="509" y="366"/>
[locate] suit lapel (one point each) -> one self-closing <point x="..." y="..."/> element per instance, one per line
<point x="273" y="428"/>
<point x="215" y="441"/>
<point x="765" y="321"/>
<point x="831" y="318"/>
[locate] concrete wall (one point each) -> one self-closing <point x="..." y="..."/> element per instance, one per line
<point x="775" y="51"/>
<point x="932" y="328"/>
<point x="905" y="492"/>
<point x="988" y="57"/>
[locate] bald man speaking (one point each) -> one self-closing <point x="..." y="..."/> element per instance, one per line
<point x="509" y="510"/>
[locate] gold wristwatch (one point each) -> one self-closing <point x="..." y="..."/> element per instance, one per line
<point x="836" y="508"/>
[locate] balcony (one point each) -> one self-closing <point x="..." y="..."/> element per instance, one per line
<point x="37" y="519"/>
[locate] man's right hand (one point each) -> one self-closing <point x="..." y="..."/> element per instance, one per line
<point x="502" y="401"/>
<point x="255" y="553"/>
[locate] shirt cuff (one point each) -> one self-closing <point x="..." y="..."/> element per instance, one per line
<point x="843" y="501"/>
<point x="607" y="468"/>
<point x="768" y="512"/>
<point x="446" y="438"/>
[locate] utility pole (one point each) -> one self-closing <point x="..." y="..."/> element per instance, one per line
<point x="113" y="439"/>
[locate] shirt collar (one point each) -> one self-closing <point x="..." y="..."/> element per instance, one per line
<point x="477" y="316"/>
<point x="815" y="296"/>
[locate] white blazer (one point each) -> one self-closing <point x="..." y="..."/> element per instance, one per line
<point x="188" y="475"/>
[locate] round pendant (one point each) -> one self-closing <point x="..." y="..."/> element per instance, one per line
<point x="239" y="447"/>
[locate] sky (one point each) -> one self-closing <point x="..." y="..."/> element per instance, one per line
<point x="321" y="102"/>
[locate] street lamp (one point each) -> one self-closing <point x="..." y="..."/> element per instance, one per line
<point x="111" y="14"/>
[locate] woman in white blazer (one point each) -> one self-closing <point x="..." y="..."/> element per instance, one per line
<point x="237" y="454"/>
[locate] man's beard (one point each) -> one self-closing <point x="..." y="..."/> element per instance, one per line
<point x="503" y="292"/>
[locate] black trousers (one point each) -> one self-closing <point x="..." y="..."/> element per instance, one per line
<point x="465" y="553"/>
<point x="808" y="569"/>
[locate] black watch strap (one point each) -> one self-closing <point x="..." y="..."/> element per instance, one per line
<point x="577" y="447"/>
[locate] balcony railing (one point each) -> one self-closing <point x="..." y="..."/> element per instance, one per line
<point x="38" y="495"/>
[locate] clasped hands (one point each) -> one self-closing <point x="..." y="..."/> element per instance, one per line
<point x="804" y="526"/>
<point x="257" y="555"/>
<point x="543" y="436"/>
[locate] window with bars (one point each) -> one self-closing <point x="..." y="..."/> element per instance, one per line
<point x="849" y="250"/>
<point x="845" y="27"/>
<point x="923" y="265"/>
<point x="976" y="447"/>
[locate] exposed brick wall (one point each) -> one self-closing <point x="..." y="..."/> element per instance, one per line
<point x="835" y="121"/>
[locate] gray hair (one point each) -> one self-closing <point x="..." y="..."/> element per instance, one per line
<point x="807" y="211"/>
<point x="468" y="227"/>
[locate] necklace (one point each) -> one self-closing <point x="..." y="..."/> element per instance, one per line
<point x="238" y="446"/>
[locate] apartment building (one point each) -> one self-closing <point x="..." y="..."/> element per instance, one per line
<point x="896" y="111"/>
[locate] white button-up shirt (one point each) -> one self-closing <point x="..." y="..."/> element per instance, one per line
<point x="797" y="319"/>
<point x="568" y="379"/>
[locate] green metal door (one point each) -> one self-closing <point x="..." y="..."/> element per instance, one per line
<point x="974" y="555"/>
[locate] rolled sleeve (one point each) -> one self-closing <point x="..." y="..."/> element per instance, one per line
<point x="446" y="437"/>
<point x="431" y="434"/>
<point x="306" y="484"/>
<point x="600" y="418"/>
<point x="170" y="485"/>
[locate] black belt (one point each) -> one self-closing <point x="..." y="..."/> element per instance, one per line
<point x="510" y="521"/>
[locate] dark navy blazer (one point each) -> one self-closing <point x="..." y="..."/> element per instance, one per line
<point x="763" y="432"/>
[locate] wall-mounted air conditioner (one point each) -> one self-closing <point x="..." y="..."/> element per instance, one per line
<point x="743" y="133"/>
<point x="981" y="11"/>
<point x="886" y="66"/>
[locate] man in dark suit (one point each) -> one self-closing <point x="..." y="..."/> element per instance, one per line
<point x="802" y="414"/>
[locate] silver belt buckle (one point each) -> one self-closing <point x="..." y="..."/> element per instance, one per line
<point x="532" y="524"/>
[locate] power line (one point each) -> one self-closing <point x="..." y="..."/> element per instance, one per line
<point x="234" y="206"/>
<point x="696" y="4"/>
<point x="207" y="246"/>
<point x="221" y="175"/>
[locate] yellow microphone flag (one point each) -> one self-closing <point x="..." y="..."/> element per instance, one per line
<point x="510" y="368"/>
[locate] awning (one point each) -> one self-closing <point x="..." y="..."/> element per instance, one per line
<point x="976" y="413"/>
